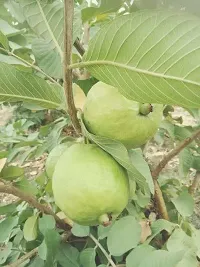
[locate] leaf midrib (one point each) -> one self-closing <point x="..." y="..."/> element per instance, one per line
<point x="30" y="98"/>
<point x="121" y="65"/>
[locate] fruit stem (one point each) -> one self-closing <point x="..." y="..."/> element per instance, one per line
<point x="104" y="220"/>
<point x="145" y="109"/>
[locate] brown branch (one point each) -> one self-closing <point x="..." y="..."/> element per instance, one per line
<point x="32" y="201"/>
<point x="195" y="183"/>
<point x="173" y="153"/>
<point x="79" y="47"/>
<point x="27" y="256"/>
<point x="155" y="173"/>
<point x="68" y="25"/>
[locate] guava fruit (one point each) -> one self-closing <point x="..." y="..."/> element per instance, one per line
<point x="53" y="157"/>
<point x="109" y="114"/>
<point x="89" y="186"/>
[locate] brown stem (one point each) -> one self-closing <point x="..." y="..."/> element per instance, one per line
<point x="32" y="201"/>
<point x="195" y="183"/>
<point x="27" y="256"/>
<point x="173" y="153"/>
<point x="68" y="25"/>
<point x="79" y="47"/>
<point x="155" y="173"/>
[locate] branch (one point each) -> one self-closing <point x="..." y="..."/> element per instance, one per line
<point x="173" y="153"/>
<point x="195" y="183"/>
<point x="111" y="262"/>
<point x="29" y="64"/>
<point x="68" y="24"/>
<point x="79" y="47"/>
<point x="160" y="202"/>
<point x="32" y="201"/>
<point x="27" y="256"/>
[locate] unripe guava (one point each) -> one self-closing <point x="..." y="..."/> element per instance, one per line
<point x="53" y="157"/>
<point x="109" y="114"/>
<point x="89" y="186"/>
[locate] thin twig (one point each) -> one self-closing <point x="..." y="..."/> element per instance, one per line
<point x="79" y="47"/>
<point x="195" y="183"/>
<point x="160" y="202"/>
<point x="32" y="201"/>
<point x="29" y="64"/>
<point x="103" y="250"/>
<point x="173" y="153"/>
<point x="68" y="24"/>
<point x="27" y="256"/>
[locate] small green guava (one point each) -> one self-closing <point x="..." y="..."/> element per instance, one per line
<point x="53" y="157"/>
<point x="109" y="114"/>
<point x="89" y="186"/>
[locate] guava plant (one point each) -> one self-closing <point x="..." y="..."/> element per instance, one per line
<point x="90" y="83"/>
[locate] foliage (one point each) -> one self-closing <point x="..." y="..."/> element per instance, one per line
<point x="151" y="55"/>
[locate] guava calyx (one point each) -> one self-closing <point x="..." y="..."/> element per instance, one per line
<point x="145" y="109"/>
<point x="105" y="219"/>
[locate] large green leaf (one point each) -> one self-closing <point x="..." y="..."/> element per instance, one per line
<point x="151" y="56"/>
<point x="184" y="204"/>
<point x="16" y="86"/>
<point x="46" y="19"/>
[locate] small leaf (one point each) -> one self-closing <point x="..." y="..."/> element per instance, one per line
<point x="80" y="230"/>
<point x="11" y="172"/>
<point x="42" y="250"/>
<point x="6" y="227"/>
<point x="141" y="165"/>
<point x="103" y="231"/>
<point x="185" y="161"/>
<point x="4" y="41"/>
<point x="184" y="204"/>
<point x="5" y="252"/>
<point x="162" y="258"/>
<point x="26" y="186"/>
<point x="37" y="262"/>
<point x="67" y="255"/>
<point x="52" y="240"/>
<point x="87" y="257"/>
<point x="137" y="255"/>
<point x="6" y="209"/>
<point x="30" y="228"/>
<point x="160" y="225"/>
<point x="179" y="240"/>
<point x="46" y="222"/>
<point x="124" y="235"/>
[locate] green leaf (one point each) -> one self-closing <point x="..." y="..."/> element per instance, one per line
<point x="106" y="6"/>
<point x="11" y="60"/>
<point x="8" y="30"/>
<point x="67" y="255"/>
<point x="179" y="240"/>
<point x="162" y="258"/>
<point x="184" y="204"/>
<point x="189" y="259"/>
<point x="196" y="163"/>
<point x="80" y="230"/>
<point x="137" y="255"/>
<point x="5" y="252"/>
<point x="46" y="222"/>
<point x="52" y="240"/>
<point x="160" y="225"/>
<point x="185" y="161"/>
<point x="17" y="85"/>
<point x="4" y="41"/>
<point x="37" y="262"/>
<point x="42" y="250"/>
<point x="26" y="186"/>
<point x="6" y="227"/>
<point x="141" y="165"/>
<point x="103" y="231"/>
<point x="119" y="153"/>
<point x="48" y="49"/>
<point x="30" y="228"/>
<point x="87" y="257"/>
<point x="122" y="237"/>
<point x="11" y="172"/>
<point x="151" y="56"/>
<point x="6" y="209"/>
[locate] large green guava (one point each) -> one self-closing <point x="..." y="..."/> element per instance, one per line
<point x="89" y="186"/>
<point x="108" y="113"/>
<point x="53" y="157"/>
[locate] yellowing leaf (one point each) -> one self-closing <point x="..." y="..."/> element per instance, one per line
<point x="79" y="96"/>
<point x="30" y="228"/>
